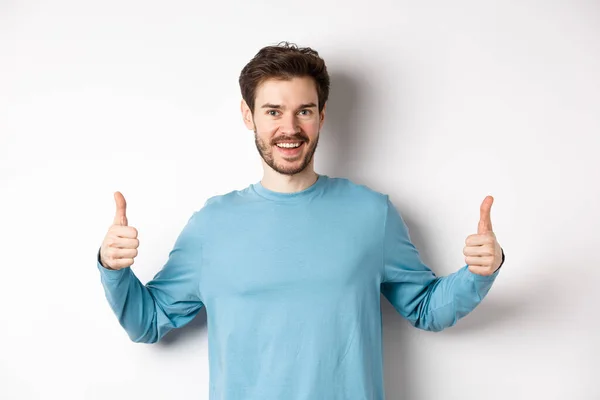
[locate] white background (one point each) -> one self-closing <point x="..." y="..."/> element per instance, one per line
<point x="436" y="103"/>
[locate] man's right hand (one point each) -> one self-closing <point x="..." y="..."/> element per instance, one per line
<point x="120" y="244"/>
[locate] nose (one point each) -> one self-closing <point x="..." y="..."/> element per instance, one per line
<point x="289" y="125"/>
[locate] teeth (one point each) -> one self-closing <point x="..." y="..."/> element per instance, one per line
<point x="288" y="145"/>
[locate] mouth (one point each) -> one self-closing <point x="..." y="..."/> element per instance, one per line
<point x="290" y="148"/>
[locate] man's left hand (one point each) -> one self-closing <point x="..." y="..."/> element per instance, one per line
<point x="482" y="252"/>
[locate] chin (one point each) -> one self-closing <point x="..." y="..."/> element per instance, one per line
<point x="290" y="168"/>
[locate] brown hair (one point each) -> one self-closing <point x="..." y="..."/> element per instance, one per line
<point x="284" y="61"/>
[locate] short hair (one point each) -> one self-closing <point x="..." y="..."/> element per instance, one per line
<point x="284" y="61"/>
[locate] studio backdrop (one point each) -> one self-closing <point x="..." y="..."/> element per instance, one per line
<point x="437" y="104"/>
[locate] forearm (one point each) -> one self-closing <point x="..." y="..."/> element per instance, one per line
<point x="447" y="299"/>
<point x="132" y="303"/>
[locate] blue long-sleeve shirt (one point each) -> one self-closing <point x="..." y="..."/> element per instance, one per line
<point x="291" y="283"/>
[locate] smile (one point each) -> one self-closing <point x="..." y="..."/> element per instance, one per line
<point x="288" y="145"/>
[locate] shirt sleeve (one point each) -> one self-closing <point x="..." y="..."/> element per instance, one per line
<point x="170" y="300"/>
<point x="427" y="301"/>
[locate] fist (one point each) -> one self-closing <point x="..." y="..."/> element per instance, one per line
<point x="482" y="252"/>
<point x="120" y="244"/>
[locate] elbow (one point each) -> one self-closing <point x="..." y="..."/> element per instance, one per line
<point x="138" y="334"/>
<point x="432" y="326"/>
<point x="437" y="320"/>
<point x="145" y="338"/>
<point x="438" y="327"/>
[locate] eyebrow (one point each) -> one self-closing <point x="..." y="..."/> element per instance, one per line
<point x="269" y="105"/>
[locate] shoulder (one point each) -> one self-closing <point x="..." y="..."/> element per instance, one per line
<point x="220" y="201"/>
<point x="220" y="204"/>
<point x="358" y="192"/>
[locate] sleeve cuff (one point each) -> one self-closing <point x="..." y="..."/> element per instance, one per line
<point x="483" y="278"/>
<point x="111" y="274"/>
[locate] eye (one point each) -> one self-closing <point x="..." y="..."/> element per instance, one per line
<point x="272" y="113"/>
<point x="306" y="112"/>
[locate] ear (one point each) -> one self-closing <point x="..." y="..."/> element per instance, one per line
<point x="247" y="115"/>
<point x="322" y="116"/>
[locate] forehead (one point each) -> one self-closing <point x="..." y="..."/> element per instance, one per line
<point x="281" y="91"/>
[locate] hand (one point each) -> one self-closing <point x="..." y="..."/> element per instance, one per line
<point x="482" y="252"/>
<point x="120" y="244"/>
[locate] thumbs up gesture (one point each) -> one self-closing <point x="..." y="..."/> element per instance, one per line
<point x="120" y="244"/>
<point x="482" y="252"/>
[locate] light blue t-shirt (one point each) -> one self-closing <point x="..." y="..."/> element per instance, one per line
<point x="291" y="283"/>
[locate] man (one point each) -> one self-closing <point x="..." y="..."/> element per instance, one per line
<point x="291" y="268"/>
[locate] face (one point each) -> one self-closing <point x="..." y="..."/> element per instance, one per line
<point x="286" y="123"/>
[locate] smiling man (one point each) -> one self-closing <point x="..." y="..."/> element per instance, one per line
<point x="291" y="268"/>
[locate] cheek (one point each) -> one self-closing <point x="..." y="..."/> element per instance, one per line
<point x="310" y="127"/>
<point x="265" y="125"/>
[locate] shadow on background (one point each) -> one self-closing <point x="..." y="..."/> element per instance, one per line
<point x="340" y="140"/>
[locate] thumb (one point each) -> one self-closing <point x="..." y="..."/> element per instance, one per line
<point x="120" y="217"/>
<point x="485" y="221"/>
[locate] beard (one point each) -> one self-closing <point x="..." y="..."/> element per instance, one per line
<point x="265" y="149"/>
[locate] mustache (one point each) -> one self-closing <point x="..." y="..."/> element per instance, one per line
<point x="296" y="137"/>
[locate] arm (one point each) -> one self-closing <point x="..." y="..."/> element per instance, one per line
<point x="170" y="300"/>
<point x="428" y="302"/>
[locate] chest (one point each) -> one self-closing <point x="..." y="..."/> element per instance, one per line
<point x="290" y="250"/>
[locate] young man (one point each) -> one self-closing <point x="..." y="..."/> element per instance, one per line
<point x="290" y="269"/>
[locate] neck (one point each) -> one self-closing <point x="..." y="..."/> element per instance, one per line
<point x="277" y="182"/>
